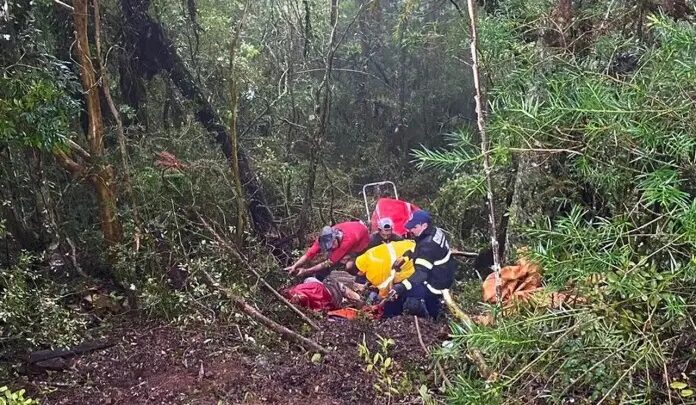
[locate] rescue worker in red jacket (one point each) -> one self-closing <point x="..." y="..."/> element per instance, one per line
<point x="434" y="271"/>
<point x="341" y="243"/>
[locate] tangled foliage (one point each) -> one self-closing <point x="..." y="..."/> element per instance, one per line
<point x="31" y="311"/>
<point x="35" y="108"/>
<point x="609" y="113"/>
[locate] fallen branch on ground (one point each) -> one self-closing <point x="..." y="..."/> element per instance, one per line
<point x="473" y="354"/>
<point x="427" y="352"/>
<point x="82" y="348"/>
<point x="257" y="315"/>
<point x="239" y="257"/>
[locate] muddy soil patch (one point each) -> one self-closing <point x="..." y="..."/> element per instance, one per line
<point x="211" y="364"/>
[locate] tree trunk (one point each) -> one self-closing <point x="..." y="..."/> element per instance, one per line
<point x="102" y="176"/>
<point x="485" y="148"/>
<point x="322" y="107"/>
<point x="154" y="53"/>
<point x="120" y="133"/>
<point x="234" y="138"/>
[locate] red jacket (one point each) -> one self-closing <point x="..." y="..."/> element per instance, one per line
<point x="355" y="240"/>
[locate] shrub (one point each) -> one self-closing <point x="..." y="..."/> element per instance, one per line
<point x="617" y="223"/>
<point x="31" y="310"/>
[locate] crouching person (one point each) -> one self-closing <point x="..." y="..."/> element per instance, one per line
<point x="340" y="243"/>
<point x="434" y="271"/>
<point x="377" y="265"/>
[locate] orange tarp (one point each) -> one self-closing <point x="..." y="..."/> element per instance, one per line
<point x="516" y="281"/>
<point x="521" y="282"/>
<point x="374" y="312"/>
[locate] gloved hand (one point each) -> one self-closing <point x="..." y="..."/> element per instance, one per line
<point x="398" y="263"/>
<point x="397" y="290"/>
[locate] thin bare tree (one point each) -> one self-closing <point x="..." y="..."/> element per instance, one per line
<point x="485" y="145"/>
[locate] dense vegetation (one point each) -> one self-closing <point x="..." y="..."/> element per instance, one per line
<point x="121" y="140"/>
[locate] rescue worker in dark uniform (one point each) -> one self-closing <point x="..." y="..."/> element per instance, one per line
<point x="434" y="271"/>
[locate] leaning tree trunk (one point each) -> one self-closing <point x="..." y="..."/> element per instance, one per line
<point x="153" y="53"/>
<point x="322" y="109"/>
<point x="101" y="175"/>
<point x="234" y="136"/>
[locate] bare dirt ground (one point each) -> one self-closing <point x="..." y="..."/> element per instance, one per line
<point x="204" y="364"/>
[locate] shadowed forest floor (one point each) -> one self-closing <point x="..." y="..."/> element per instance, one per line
<point x="210" y="364"/>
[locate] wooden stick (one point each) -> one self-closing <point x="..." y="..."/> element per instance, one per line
<point x="485" y="146"/>
<point x="269" y="323"/>
<point x="456" y="252"/>
<point x="427" y="352"/>
<point x="239" y="257"/>
<point x="73" y="258"/>
<point x="60" y="3"/>
<point x="473" y="354"/>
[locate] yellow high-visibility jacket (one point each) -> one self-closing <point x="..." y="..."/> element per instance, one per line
<point x="376" y="264"/>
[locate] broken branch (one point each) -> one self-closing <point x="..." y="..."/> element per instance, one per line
<point x="474" y="354"/>
<point x="235" y="253"/>
<point x="60" y="3"/>
<point x="257" y="315"/>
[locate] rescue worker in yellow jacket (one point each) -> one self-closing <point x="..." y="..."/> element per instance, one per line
<point x="376" y="265"/>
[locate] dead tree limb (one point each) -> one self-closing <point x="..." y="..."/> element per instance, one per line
<point x="236" y="253"/>
<point x="82" y="348"/>
<point x="473" y="354"/>
<point x="427" y="352"/>
<point x="254" y="313"/>
<point x="154" y="53"/>
<point x="485" y="147"/>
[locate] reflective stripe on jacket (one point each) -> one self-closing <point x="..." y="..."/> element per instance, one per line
<point x="377" y="262"/>
<point x="434" y="266"/>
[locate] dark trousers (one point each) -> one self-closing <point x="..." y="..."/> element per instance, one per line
<point x="418" y="296"/>
<point x="324" y="273"/>
<point x="338" y="266"/>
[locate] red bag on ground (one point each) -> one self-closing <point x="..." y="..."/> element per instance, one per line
<point x="312" y="294"/>
<point x="399" y="212"/>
